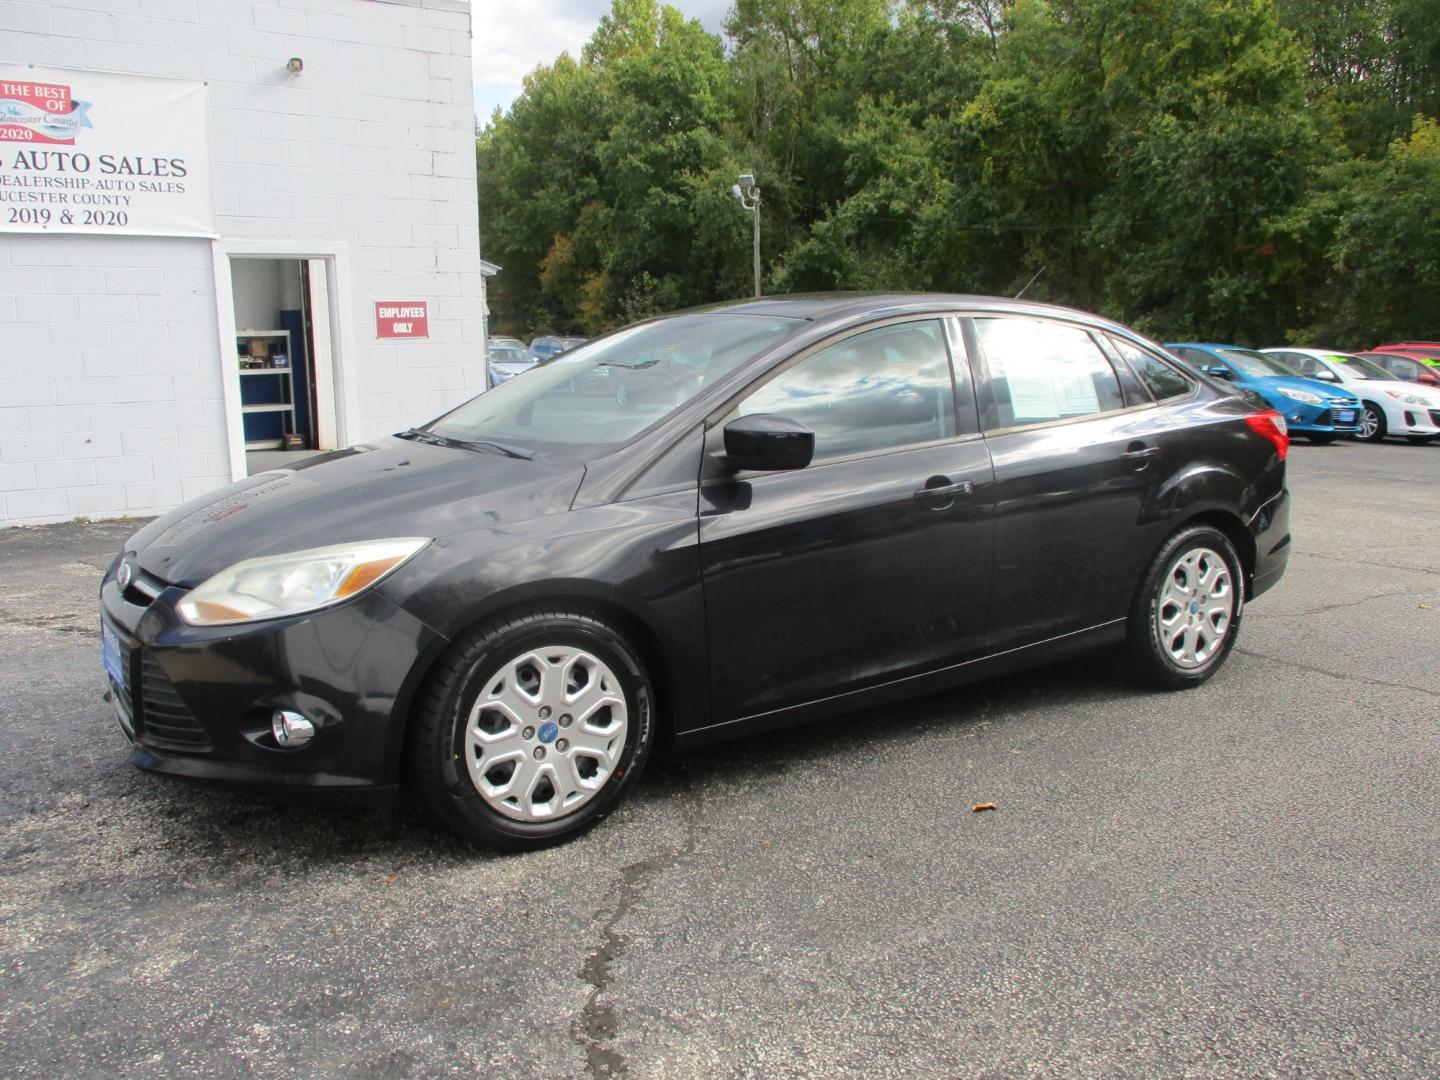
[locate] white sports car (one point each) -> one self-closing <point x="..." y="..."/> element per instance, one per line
<point x="1392" y="407"/>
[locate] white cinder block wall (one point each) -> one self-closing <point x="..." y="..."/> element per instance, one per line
<point x="110" y="378"/>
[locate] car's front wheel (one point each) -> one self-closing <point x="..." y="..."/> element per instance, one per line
<point x="1186" y="613"/>
<point x="531" y="729"/>
<point x="1372" y="424"/>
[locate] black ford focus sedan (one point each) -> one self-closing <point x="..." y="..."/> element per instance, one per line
<point x="848" y="500"/>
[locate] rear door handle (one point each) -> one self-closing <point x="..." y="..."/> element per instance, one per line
<point x="960" y="487"/>
<point x="1140" y="456"/>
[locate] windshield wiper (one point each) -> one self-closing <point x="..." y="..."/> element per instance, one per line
<point x="424" y="436"/>
<point x="498" y="448"/>
<point x="490" y="445"/>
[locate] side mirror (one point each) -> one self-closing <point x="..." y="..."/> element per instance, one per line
<point x="1428" y="379"/>
<point x="1219" y="371"/>
<point x="763" y="441"/>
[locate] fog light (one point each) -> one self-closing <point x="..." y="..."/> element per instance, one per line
<point x="291" y="729"/>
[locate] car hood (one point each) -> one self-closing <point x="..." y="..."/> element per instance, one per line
<point x="392" y="487"/>
<point x="1427" y="394"/>
<point x="1327" y="391"/>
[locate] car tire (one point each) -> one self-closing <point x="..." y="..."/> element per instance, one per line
<point x="461" y="745"/>
<point x="1184" y="588"/>
<point x="1372" y="424"/>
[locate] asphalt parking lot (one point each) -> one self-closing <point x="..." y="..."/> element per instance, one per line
<point x="1242" y="880"/>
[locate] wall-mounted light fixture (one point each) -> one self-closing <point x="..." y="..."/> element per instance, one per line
<point x="295" y="65"/>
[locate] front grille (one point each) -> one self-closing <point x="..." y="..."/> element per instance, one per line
<point x="165" y="719"/>
<point x="125" y="705"/>
<point x="144" y="588"/>
<point x="1435" y="417"/>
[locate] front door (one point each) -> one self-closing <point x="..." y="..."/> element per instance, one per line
<point x="874" y="562"/>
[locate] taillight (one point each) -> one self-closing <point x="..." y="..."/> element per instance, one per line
<point x="1271" y="425"/>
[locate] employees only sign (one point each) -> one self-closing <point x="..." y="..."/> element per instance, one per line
<point x="92" y="152"/>
<point x="402" y="319"/>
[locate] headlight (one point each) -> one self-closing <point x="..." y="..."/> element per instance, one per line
<point x="302" y="581"/>
<point x="1301" y="395"/>
<point x="1408" y="399"/>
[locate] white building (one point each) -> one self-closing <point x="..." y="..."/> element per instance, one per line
<point x="313" y="164"/>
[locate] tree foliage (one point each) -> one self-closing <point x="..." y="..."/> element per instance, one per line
<point x="1251" y="170"/>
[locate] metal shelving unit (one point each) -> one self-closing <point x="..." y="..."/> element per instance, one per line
<point x="286" y="405"/>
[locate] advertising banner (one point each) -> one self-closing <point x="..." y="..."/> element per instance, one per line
<point x="92" y="152"/>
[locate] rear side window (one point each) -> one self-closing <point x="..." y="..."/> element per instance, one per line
<point x="1162" y="380"/>
<point x="881" y="389"/>
<point x="1041" y="371"/>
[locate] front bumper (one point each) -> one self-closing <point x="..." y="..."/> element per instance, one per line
<point x="1337" y="416"/>
<point x="1416" y="420"/>
<point x="197" y="702"/>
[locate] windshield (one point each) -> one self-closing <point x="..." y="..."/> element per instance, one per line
<point x="1256" y="364"/>
<point x="508" y="354"/>
<point x="1358" y="367"/>
<point x="590" y="400"/>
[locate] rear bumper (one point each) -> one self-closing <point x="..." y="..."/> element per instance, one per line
<point x="1271" y="529"/>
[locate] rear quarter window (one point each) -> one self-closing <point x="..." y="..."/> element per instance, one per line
<point x="1162" y="380"/>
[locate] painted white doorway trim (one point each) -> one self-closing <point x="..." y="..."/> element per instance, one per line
<point x="336" y="255"/>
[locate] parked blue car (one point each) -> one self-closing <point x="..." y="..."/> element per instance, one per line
<point x="1319" y="411"/>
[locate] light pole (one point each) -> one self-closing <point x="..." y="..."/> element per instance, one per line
<point x="746" y="189"/>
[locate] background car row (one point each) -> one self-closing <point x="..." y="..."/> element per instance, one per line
<point x="509" y="356"/>
<point x="1391" y="390"/>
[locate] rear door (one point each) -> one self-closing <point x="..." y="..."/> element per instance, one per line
<point x="1076" y="464"/>
<point x="874" y="562"/>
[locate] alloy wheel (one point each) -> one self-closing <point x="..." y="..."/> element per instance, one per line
<point x="1370" y="422"/>
<point x="1195" y="607"/>
<point x="546" y="733"/>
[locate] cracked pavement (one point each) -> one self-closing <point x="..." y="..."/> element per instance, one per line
<point x="1243" y="880"/>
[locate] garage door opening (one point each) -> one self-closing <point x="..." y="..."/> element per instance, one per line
<point x="282" y="350"/>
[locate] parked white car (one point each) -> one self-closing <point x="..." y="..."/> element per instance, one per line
<point x="1392" y="406"/>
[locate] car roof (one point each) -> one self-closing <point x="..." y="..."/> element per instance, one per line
<point x="841" y="306"/>
<point x="1319" y="354"/>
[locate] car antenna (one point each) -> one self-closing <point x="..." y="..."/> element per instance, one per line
<point x="1021" y="293"/>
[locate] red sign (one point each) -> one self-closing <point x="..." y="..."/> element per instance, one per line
<point x="402" y="318"/>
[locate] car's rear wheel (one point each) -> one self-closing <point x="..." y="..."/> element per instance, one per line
<point x="1186" y="613"/>
<point x="1372" y="423"/>
<point x="532" y="729"/>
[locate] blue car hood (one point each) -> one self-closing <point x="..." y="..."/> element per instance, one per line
<point x="1327" y="391"/>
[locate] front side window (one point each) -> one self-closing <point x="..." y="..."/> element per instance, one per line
<point x="1162" y="380"/>
<point x="878" y="390"/>
<point x="1043" y="371"/>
